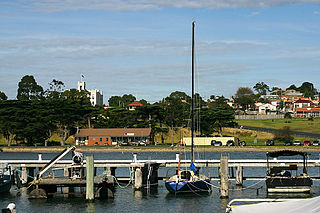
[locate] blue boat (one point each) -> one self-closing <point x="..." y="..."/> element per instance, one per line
<point x="189" y="180"/>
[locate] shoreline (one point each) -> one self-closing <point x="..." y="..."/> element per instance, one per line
<point x="175" y="149"/>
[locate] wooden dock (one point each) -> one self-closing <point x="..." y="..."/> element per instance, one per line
<point x="145" y="171"/>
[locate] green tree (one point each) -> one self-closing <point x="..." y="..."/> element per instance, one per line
<point x="83" y="96"/>
<point x="261" y="88"/>
<point x="307" y="89"/>
<point x="284" y="134"/>
<point x="56" y="89"/>
<point x="215" y="118"/>
<point x="3" y="96"/>
<point x="127" y="99"/>
<point x="182" y="96"/>
<point x="144" y="102"/>
<point x="28" y="89"/>
<point x="115" y="101"/>
<point x="245" y="97"/>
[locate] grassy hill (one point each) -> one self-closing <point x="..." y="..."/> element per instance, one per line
<point x="296" y="124"/>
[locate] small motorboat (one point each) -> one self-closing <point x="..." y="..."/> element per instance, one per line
<point x="287" y="178"/>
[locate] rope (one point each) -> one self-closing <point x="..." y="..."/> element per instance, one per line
<point x="27" y="173"/>
<point x="125" y="186"/>
<point x="244" y="188"/>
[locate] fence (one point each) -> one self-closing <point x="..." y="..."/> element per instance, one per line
<point x="259" y="116"/>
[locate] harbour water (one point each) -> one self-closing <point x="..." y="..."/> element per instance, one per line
<point x="158" y="199"/>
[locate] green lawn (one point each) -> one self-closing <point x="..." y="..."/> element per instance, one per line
<point x="296" y="124"/>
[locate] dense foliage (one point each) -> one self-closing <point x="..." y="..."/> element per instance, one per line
<point x="37" y="114"/>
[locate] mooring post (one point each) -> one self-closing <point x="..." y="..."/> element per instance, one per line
<point x="224" y="180"/>
<point x="89" y="178"/>
<point x="134" y="157"/>
<point x="66" y="172"/>
<point x="239" y="175"/>
<point x="110" y="171"/>
<point x="137" y="178"/>
<point x="177" y="156"/>
<point x="24" y="175"/>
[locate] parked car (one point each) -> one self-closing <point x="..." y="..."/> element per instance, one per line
<point x="315" y="143"/>
<point x="217" y="143"/>
<point x="125" y="143"/>
<point x="270" y="142"/>
<point x="288" y="143"/>
<point x="297" y="143"/>
<point x="307" y="143"/>
<point x="140" y="143"/>
<point x="242" y="143"/>
<point x="230" y="143"/>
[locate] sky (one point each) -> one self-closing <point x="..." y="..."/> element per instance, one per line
<point x="143" y="47"/>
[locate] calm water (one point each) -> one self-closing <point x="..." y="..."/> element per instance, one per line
<point x="157" y="200"/>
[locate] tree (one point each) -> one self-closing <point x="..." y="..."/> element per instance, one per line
<point x="127" y="99"/>
<point x="216" y="118"/>
<point x="143" y="102"/>
<point x="292" y="87"/>
<point x="307" y="89"/>
<point x="115" y="101"/>
<point x="261" y="88"/>
<point x="182" y="96"/>
<point x="83" y="96"/>
<point x="245" y="97"/>
<point x="55" y="89"/>
<point x="28" y="89"/>
<point x="284" y="134"/>
<point x="3" y="96"/>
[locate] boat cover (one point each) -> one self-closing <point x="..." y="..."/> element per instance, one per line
<point x="295" y="206"/>
<point x="285" y="153"/>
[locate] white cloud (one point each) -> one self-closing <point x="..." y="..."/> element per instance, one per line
<point x="316" y="13"/>
<point x="254" y="13"/>
<point x="135" y="5"/>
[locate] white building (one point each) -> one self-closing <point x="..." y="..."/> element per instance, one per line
<point x="266" y="108"/>
<point x="96" y="96"/>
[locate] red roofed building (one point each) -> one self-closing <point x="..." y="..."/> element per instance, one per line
<point x="112" y="136"/>
<point x="134" y="105"/>
<point x="302" y="103"/>
<point x="307" y="112"/>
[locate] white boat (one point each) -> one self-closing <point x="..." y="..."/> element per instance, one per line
<point x="307" y="205"/>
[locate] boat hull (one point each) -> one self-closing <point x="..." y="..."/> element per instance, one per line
<point x="188" y="186"/>
<point x="288" y="184"/>
<point x="5" y="186"/>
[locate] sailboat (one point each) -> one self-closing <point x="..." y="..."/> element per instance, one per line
<point x="189" y="180"/>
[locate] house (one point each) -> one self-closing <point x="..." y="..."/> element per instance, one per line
<point x="307" y="112"/>
<point x="134" y="105"/>
<point x="301" y="103"/>
<point x="266" y="108"/>
<point x="111" y="136"/>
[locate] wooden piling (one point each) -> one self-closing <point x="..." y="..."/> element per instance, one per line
<point x="89" y="178"/>
<point x="239" y="175"/>
<point x="137" y="179"/>
<point x="224" y="180"/>
<point x="24" y="175"/>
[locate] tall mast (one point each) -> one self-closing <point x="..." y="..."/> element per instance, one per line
<point x="192" y="96"/>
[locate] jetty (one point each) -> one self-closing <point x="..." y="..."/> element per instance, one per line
<point x="144" y="173"/>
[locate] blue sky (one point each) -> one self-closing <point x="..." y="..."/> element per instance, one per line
<point x="142" y="47"/>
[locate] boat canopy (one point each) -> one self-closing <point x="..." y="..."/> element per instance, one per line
<point x="285" y="153"/>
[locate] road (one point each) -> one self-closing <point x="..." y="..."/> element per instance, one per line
<point x="295" y="133"/>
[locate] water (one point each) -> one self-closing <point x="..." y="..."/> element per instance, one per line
<point x="157" y="200"/>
